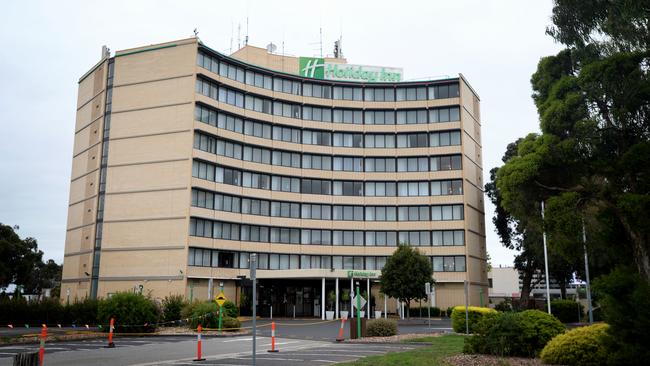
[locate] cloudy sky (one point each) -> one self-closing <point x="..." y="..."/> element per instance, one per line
<point x="45" y="46"/>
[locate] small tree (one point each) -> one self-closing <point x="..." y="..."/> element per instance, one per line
<point x="405" y="274"/>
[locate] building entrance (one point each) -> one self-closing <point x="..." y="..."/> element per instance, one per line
<point x="287" y="298"/>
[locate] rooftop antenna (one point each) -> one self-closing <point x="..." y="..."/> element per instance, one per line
<point x="238" y="35"/>
<point x="321" y="42"/>
<point x="246" y="39"/>
<point x="231" y="35"/>
<point x="196" y="33"/>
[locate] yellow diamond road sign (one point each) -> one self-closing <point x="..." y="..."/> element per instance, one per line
<point x="220" y="299"/>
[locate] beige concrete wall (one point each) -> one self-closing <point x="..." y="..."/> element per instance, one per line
<point x="80" y="227"/>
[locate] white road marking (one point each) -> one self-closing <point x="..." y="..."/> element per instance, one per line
<point x="238" y="340"/>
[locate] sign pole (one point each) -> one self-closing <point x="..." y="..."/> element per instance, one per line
<point x="466" y="308"/>
<point x="358" y="312"/>
<point x="220" y="306"/>
<point x="427" y="290"/>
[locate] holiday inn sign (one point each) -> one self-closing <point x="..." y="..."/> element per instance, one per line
<point x="318" y="68"/>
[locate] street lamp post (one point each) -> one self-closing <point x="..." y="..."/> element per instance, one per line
<point x="253" y="265"/>
<point x="548" y="278"/>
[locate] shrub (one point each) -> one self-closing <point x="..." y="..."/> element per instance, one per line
<point x="495" y="335"/>
<point x="537" y="328"/>
<point x="475" y="315"/>
<point x="579" y="346"/>
<point x="381" y="328"/>
<point x="505" y="305"/>
<point x="201" y="312"/>
<point x="449" y="311"/>
<point x="172" y="306"/>
<point x="132" y="312"/>
<point x="625" y="299"/>
<point x="82" y="312"/>
<point x="423" y="311"/>
<point x="567" y="311"/>
<point x="230" y="324"/>
<point x="230" y="309"/>
<point x="513" y="334"/>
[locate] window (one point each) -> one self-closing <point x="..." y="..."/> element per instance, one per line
<point x="448" y="238"/>
<point x="449" y="264"/>
<point x="447" y="187"/>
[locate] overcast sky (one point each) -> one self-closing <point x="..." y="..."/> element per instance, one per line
<point x="45" y="46"/>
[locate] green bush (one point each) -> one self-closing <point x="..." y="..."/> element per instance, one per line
<point x="537" y="329"/>
<point x="475" y="315"/>
<point x="579" y="346"/>
<point x="172" y="306"/>
<point x="133" y="312"/>
<point x="201" y="312"/>
<point x="567" y="311"/>
<point x="230" y="309"/>
<point x="423" y="311"/>
<point x="495" y="335"/>
<point x="230" y="324"/>
<point x="82" y="312"/>
<point x="505" y="305"/>
<point x="513" y="334"/>
<point x="624" y="296"/>
<point x="449" y="311"/>
<point x="381" y="328"/>
<point x="206" y="313"/>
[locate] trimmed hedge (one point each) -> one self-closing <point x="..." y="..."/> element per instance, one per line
<point x="19" y="312"/>
<point x="416" y="311"/>
<point x="514" y="334"/>
<point x="567" y="310"/>
<point x="381" y="328"/>
<point x="476" y="314"/>
<point x="133" y="312"/>
<point x="579" y="346"/>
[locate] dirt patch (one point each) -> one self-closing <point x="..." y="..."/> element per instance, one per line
<point x="489" y="360"/>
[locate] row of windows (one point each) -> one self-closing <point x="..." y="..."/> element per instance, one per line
<point x="325" y="138"/>
<point x="252" y="206"/>
<point x="288" y="86"/>
<point x="236" y="177"/>
<point x="266" y="234"/>
<point x="274" y="261"/>
<point x="324" y="162"/>
<point x="321" y="114"/>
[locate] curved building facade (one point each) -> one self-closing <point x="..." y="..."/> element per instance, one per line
<point x="187" y="161"/>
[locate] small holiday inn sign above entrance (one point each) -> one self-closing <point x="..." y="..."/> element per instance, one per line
<point x="318" y="68"/>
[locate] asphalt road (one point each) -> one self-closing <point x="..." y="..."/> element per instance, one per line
<point x="306" y="341"/>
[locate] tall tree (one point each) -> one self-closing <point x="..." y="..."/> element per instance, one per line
<point x="405" y="274"/>
<point x="21" y="263"/>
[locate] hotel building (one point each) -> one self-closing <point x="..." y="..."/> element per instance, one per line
<point x="186" y="161"/>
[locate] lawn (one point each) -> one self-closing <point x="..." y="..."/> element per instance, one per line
<point x="433" y="355"/>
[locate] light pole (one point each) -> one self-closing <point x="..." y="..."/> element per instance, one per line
<point x="548" y="278"/>
<point x="584" y="246"/>
<point x="67" y="292"/>
<point x="253" y="265"/>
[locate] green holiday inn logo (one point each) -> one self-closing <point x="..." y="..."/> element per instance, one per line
<point x="317" y="68"/>
<point x="312" y="67"/>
